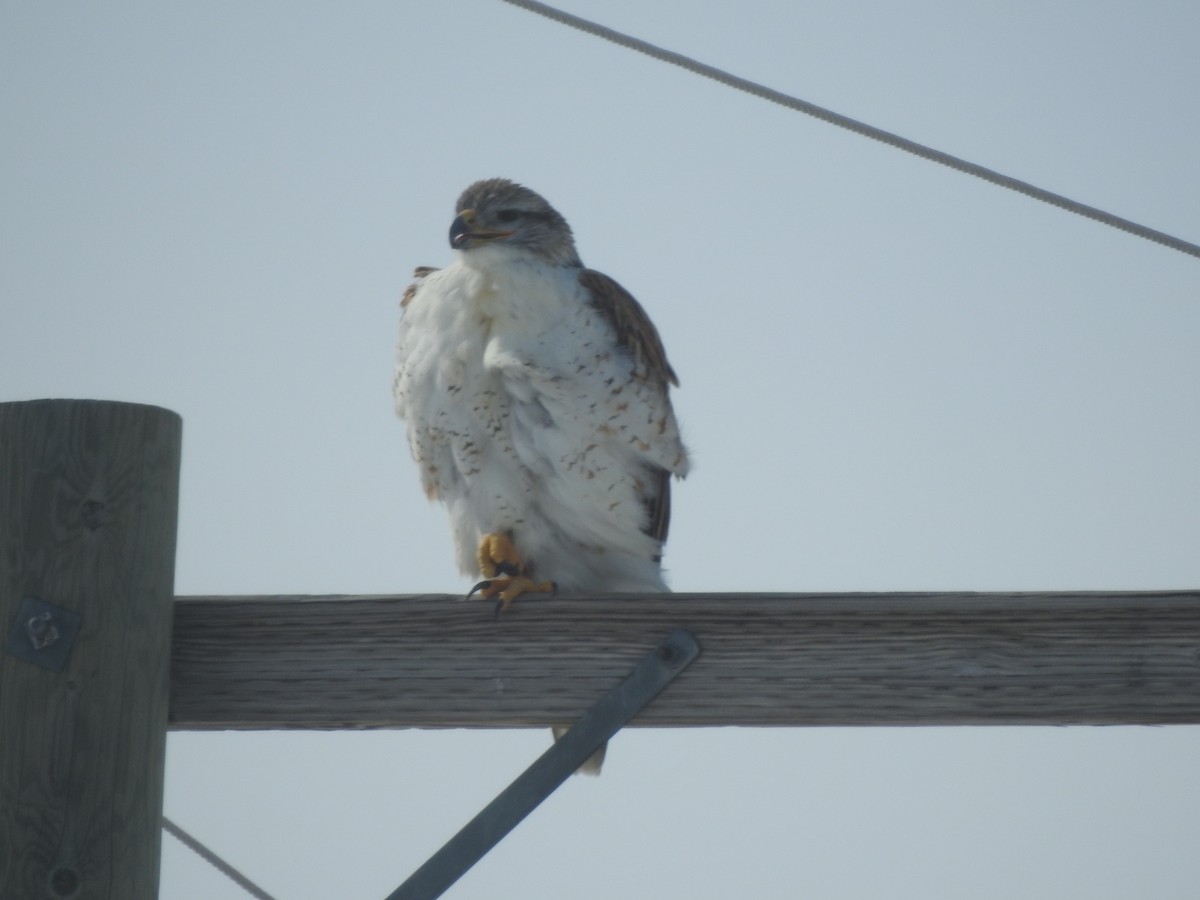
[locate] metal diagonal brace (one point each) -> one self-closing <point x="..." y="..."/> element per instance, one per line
<point x="655" y="671"/>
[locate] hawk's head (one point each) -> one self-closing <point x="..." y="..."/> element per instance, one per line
<point x="502" y="213"/>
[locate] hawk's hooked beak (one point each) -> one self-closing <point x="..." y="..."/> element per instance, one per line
<point x="463" y="233"/>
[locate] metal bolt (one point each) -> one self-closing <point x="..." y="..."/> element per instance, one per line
<point x="42" y="634"/>
<point x="42" y="630"/>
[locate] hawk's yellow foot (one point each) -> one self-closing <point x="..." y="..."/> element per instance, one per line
<point x="507" y="588"/>
<point x="498" y="556"/>
<point x="504" y="570"/>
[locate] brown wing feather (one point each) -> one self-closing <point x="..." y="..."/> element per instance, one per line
<point x="411" y="291"/>
<point x="635" y="332"/>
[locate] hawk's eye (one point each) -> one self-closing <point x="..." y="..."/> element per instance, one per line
<point x="508" y="215"/>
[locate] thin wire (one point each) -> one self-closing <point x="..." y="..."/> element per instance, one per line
<point x="213" y="860"/>
<point x="861" y="128"/>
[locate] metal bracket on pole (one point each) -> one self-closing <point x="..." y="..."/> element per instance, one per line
<point x="655" y="671"/>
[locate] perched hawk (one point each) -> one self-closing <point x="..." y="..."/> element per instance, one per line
<point x="536" y="397"/>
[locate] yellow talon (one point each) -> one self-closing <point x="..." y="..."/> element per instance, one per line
<point x="507" y="588"/>
<point x="504" y="570"/>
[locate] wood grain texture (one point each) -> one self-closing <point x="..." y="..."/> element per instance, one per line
<point x="88" y="501"/>
<point x="766" y="660"/>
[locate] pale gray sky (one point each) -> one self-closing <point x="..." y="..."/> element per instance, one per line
<point x="894" y="378"/>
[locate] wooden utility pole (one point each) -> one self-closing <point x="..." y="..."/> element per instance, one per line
<point x="88" y="505"/>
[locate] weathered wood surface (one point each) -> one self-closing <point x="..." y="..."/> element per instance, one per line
<point x="843" y="659"/>
<point x="88" y="501"/>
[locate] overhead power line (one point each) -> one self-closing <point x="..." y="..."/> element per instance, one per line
<point x="870" y="131"/>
